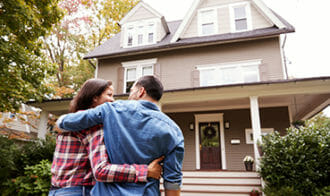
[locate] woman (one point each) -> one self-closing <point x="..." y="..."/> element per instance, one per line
<point x="81" y="156"/>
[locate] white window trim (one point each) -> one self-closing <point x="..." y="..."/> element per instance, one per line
<point x="215" y="117"/>
<point x="135" y="32"/>
<point x="237" y="64"/>
<point x="264" y="131"/>
<point x="138" y="65"/>
<point x="232" y="16"/>
<point x="215" y="21"/>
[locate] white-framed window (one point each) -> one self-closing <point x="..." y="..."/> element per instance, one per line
<point x="140" y="33"/>
<point x="135" y="70"/>
<point x="249" y="134"/>
<point x="240" y="15"/>
<point x="207" y="21"/>
<point x="229" y="73"/>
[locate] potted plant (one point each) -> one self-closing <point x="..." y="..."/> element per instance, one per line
<point x="255" y="192"/>
<point x="248" y="162"/>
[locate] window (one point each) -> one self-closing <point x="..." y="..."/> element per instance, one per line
<point x="230" y="73"/>
<point x="240" y="14"/>
<point x="130" y="36"/>
<point x="140" y="33"/>
<point x="207" y="22"/>
<point x="135" y="70"/>
<point x="249" y="134"/>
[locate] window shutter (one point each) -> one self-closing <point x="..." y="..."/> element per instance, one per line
<point x="120" y="76"/>
<point x="195" y="78"/>
<point x="157" y="70"/>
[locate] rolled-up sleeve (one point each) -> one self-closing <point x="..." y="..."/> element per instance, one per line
<point x="83" y="119"/>
<point x="172" y="168"/>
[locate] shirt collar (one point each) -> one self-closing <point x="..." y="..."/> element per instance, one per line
<point x="149" y="105"/>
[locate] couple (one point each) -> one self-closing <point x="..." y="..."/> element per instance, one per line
<point x="135" y="133"/>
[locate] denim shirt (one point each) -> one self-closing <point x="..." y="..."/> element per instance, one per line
<point x="134" y="132"/>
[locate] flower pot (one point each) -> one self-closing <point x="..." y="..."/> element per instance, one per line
<point x="248" y="166"/>
<point x="254" y="194"/>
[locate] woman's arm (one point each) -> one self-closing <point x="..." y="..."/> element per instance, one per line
<point x="104" y="171"/>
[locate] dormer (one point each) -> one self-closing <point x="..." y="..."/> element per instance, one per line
<point x="219" y="17"/>
<point x="142" y="26"/>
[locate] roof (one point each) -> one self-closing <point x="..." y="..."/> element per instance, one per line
<point x="111" y="48"/>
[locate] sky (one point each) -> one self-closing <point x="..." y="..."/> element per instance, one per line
<point x="307" y="50"/>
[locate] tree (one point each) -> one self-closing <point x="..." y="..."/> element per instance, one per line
<point x="86" y="25"/>
<point x="23" y="67"/>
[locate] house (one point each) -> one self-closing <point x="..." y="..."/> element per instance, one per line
<point x="225" y="82"/>
<point x="22" y="125"/>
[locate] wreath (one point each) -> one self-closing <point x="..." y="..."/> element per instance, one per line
<point x="209" y="132"/>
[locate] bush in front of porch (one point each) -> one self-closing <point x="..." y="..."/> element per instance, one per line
<point x="299" y="162"/>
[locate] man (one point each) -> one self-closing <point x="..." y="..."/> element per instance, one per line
<point x="136" y="131"/>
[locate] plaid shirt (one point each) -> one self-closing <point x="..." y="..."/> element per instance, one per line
<point x="79" y="155"/>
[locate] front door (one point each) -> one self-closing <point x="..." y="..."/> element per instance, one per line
<point x="209" y="145"/>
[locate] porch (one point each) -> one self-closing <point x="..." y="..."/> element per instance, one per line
<point x="222" y="183"/>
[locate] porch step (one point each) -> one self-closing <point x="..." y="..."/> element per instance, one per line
<point x="222" y="183"/>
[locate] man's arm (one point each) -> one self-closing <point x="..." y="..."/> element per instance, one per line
<point x="172" y="170"/>
<point x="105" y="172"/>
<point x="83" y="119"/>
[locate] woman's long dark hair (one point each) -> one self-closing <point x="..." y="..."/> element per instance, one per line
<point x="90" y="89"/>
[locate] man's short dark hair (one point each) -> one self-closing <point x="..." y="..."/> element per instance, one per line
<point x="152" y="85"/>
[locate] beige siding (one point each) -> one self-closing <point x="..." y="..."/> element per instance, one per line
<point x="224" y="21"/>
<point x="177" y="66"/>
<point x="258" y="20"/>
<point x="141" y="14"/>
<point x="239" y="121"/>
<point x="212" y="3"/>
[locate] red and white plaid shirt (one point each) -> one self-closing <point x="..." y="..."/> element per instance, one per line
<point x="79" y="155"/>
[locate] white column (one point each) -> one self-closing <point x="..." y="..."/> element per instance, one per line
<point x="42" y="129"/>
<point x="255" y="120"/>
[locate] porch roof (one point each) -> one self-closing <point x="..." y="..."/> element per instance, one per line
<point x="311" y="94"/>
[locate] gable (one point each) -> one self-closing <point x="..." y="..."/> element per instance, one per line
<point x="224" y="18"/>
<point x="141" y="14"/>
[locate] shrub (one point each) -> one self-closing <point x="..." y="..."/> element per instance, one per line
<point x="298" y="163"/>
<point x="36" y="180"/>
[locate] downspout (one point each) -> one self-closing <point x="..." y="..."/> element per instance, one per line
<point x="284" y="57"/>
<point x="95" y="67"/>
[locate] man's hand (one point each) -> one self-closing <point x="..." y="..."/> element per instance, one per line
<point x="155" y="169"/>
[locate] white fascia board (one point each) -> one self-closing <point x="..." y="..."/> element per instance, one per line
<point x="186" y="20"/>
<point x="269" y="14"/>
<point x="255" y="62"/>
<point x="132" y="12"/>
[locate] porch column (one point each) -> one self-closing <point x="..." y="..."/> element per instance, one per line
<point x="255" y="121"/>
<point x="42" y="128"/>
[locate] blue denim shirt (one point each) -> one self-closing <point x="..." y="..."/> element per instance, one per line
<point x="134" y="132"/>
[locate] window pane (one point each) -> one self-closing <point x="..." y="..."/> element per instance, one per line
<point x="131" y="74"/>
<point x="207" y="16"/>
<point x="147" y="71"/>
<point x="128" y="86"/>
<point x="208" y="28"/>
<point x="240" y="12"/>
<point x="130" y="40"/>
<point x="150" y="38"/>
<point x="250" y="74"/>
<point x="208" y="77"/>
<point x="230" y="75"/>
<point x="140" y="39"/>
<point x="241" y="24"/>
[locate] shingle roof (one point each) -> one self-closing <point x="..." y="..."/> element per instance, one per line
<point x="111" y="48"/>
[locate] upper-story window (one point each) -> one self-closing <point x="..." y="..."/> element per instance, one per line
<point x="135" y="70"/>
<point x="207" y="22"/>
<point x="231" y="73"/>
<point x="240" y="17"/>
<point x="140" y="33"/>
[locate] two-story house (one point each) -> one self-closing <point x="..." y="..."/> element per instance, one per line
<point x="225" y="82"/>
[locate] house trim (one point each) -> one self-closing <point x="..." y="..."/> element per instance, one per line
<point x="215" y="21"/>
<point x="214" y="117"/>
<point x="269" y="14"/>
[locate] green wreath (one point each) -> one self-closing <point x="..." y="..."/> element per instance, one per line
<point x="209" y="132"/>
